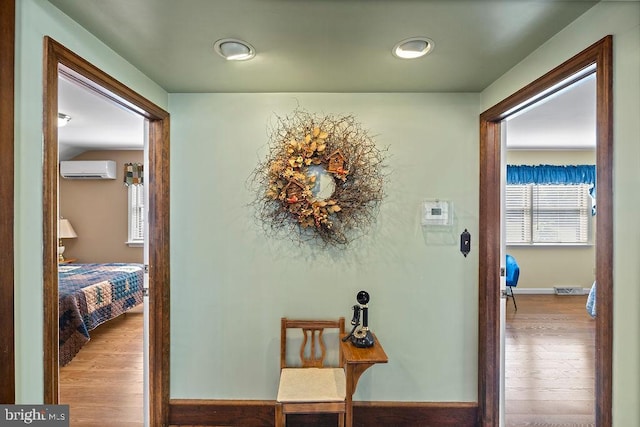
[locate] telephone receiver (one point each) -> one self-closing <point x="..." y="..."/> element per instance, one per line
<point x="360" y="335"/>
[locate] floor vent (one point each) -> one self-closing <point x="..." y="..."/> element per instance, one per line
<point x="568" y="290"/>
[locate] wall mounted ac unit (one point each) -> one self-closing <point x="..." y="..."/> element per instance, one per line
<point x="88" y="169"/>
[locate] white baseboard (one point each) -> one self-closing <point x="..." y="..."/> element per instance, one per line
<point x="539" y="291"/>
<point x="533" y="291"/>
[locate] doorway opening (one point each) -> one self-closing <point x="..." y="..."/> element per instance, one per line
<point x="157" y="172"/>
<point x="101" y="257"/>
<point x="489" y="367"/>
<point x="549" y="210"/>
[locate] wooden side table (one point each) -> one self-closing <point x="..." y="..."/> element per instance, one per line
<point x="357" y="360"/>
<point x="68" y="261"/>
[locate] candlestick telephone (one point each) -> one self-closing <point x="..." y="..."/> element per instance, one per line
<point x="360" y="335"/>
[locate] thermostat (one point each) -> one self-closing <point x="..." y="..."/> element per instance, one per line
<point x="437" y="212"/>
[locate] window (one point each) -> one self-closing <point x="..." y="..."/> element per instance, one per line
<point x="548" y="214"/>
<point x="136" y="215"/>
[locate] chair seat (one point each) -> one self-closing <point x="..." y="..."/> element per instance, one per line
<point x="312" y="385"/>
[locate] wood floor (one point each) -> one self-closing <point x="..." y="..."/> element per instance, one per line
<point x="103" y="383"/>
<point x="550" y="362"/>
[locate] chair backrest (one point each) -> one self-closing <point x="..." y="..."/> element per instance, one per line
<point x="513" y="271"/>
<point x="313" y="349"/>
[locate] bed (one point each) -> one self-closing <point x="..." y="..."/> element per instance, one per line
<point x="91" y="294"/>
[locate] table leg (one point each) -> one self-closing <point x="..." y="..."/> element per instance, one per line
<point x="350" y="389"/>
<point x="354" y="371"/>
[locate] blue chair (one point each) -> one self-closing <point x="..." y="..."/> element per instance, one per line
<point x="513" y="273"/>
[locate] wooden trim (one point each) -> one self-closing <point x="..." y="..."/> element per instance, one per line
<point x="489" y="280"/>
<point x="50" y="226"/>
<point x="261" y="413"/>
<point x="412" y="414"/>
<point x="247" y="413"/>
<point x="159" y="273"/>
<point x="158" y="167"/>
<point x="7" y="95"/>
<point x="599" y="53"/>
<point x="604" y="234"/>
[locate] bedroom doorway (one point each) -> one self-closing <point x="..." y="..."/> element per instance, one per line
<point x="57" y="57"/>
<point x="549" y="343"/>
<point x="106" y="257"/>
<point x="599" y="54"/>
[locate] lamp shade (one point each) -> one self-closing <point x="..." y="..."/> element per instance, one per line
<point x="65" y="230"/>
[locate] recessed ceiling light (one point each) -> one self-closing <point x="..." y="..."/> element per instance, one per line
<point x="412" y="48"/>
<point x="234" y="49"/>
<point x="63" y="119"/>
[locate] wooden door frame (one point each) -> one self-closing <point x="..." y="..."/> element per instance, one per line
<point x="158" y="239"/>
<point x="601" y="54"/>
<point x="7" y="95"/>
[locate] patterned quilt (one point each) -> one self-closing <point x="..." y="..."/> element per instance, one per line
<point x="91" y="294"/>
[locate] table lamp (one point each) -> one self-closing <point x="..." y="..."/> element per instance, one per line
<point x="65" y="231"/>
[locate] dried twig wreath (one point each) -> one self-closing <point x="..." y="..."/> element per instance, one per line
<point x="322" y="179"/>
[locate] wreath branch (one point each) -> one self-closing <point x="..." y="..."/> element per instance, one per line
<point x="285" y="200"/>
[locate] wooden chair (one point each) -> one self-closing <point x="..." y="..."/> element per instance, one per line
<point x="311" y="387"/>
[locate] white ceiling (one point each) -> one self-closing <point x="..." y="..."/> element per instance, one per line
<point x="96" y="123"/>
<point x="566" y="120"/>
<point x="302" y="46"/>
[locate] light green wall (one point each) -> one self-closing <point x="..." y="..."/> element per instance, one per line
<point x="35" y="19"/>
<point x="548" y="266"/>
<point x="622" y="19"/>
<point x="230" y="284"/>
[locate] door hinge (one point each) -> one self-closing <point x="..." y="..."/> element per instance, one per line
<point x="145" y="292"/>
<point x="503" y="271"/>
<point x="146" y="269"/>
<point x="503" y="294"/>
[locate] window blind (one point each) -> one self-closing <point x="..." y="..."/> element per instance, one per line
<point x="136" y="213"/>
<point x="547" y="214"/>
<point x="518" y="213"/>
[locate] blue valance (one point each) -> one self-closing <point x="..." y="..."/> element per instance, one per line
<point x="553" y="174"/>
